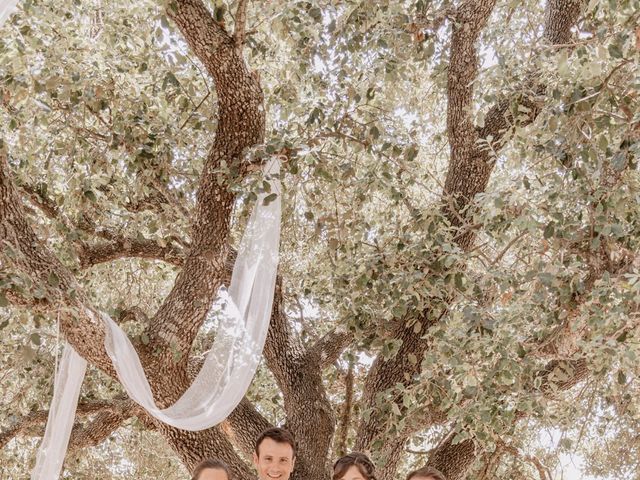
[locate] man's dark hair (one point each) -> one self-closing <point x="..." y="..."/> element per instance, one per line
<point x="279" y="435"/>
<point x="210" y="463"/>
<point x="427" y="472"/>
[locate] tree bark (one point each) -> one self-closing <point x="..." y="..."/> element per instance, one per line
<point x="468" y="174"/>
<point x="297" y="370"/>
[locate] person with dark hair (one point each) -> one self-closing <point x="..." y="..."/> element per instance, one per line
<point x="426" y="473"/>
<point x="275" y="454"/>
<point x="355" y="466"/>
<point x="211" y="469"/>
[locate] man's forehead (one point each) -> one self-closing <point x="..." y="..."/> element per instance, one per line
<point x="270" y="447"/>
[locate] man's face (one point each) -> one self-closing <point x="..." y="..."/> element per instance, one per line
<point x="274" y="460"/>
<point x="213" y="474"/>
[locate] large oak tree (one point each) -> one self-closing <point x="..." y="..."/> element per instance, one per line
<point x="459" y="267"/>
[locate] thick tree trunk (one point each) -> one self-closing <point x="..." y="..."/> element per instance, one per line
<point x="298" y="371"/>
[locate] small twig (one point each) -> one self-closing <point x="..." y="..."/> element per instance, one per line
<point x="543" y="471"/>
<point x="195" y="109"/>
<point x="506" y="249"/>
<point x="240" y="23"/>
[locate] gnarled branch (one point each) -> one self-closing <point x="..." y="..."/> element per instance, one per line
<point x="468" y="172"/>
<point x="328" y="348"/>
<point x="126" y="248"/>
<point x="240" y="126"/>
<point x="33" y="424"/>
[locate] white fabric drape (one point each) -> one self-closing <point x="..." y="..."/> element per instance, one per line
<point x="61" y="415"/>
<point x="6" y="7"/>
<point x="243" y="316"/>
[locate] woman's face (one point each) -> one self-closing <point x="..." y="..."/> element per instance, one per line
<point x="353" y="473"/>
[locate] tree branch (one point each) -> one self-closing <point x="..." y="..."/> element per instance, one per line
<point x="193" y="447"/>
<point x="240" y="23"/>
<point x="33" y="257"/>
<point x="468" y="172"/>
<point x="455" y="459"/>
<point x="36" y="305"/>
<point x="241" y="125"/>
<point x="134" y="313"/>
<point x="244" y="425"/>
<point x="560" y="18"/>
<point x="345" y="418"/>
<point x="126" y="248"/>
<point x="40" y="200"/>
<point x="328" y="349"/>
<point x="33" y="424"/>
<point x="542" y="470"/>
<point x="283" y="349"/>
<point x="104" y="424"/>
<point x="118" y="246"/>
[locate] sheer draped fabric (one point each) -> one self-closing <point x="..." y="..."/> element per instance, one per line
<point x="242" y="315"/>
<point x="6" y="7"/>
<point x="62" y="414"/>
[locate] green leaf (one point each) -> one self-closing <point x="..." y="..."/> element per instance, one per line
<point x="619" y="161"/>
<point x="91" y="196"/>
<point x="566" y="443"/>
<point x="622" y="378"/>
<point x="411" y="153"/>
<point x="28" y="353"/>
<point x="316" y="14"/>
<point x="53" y="280"/>
<point x="622" y="337"/>
<point x="563" y="65"/>
<point x="170" y="79"/>
<point x="615" y="51"/>
<point x="460" y="437"/>
<point x="269" y="198"/>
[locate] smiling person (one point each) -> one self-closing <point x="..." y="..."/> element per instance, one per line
<point x="211" y="469"/>
<point x="275" y="454"/>
<point x="426" y="473"/>
<point x="355" y="466"/>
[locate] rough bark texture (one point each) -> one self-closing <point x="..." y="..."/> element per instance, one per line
<point x="469" y="166"/>
<point x="468" y="174"/>
<point x="34" y="258"/>
<point x="122" y="248"/>
<point x="308" y="410"/>
<point x="453" y="460"/>
<point x="109" y="415"/>
<point x="241" y="122"/>
<point x="345" y="418"/>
